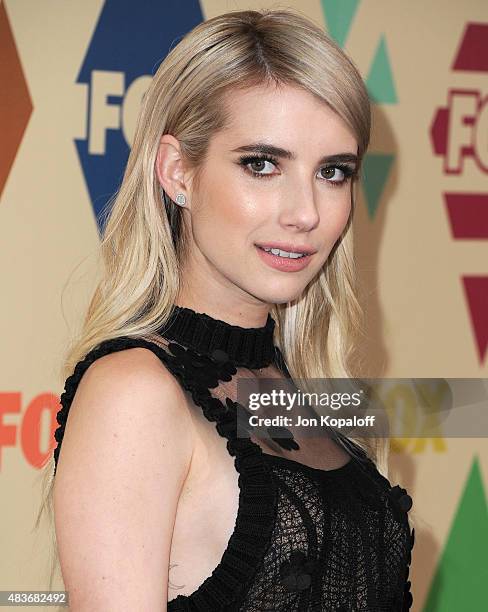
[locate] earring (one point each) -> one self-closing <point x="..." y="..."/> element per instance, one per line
<point x="180" y="199"/>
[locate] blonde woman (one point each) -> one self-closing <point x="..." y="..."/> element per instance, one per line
<point x="227" y="254"/>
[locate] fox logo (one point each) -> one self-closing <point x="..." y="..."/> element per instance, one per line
<point x="459" y="133"/>
<point x="129" y="42"/>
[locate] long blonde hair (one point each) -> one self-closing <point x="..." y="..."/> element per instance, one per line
<point x="144" y="242"/>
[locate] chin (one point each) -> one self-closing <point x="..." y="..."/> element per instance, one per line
<point x="280" y="296"/>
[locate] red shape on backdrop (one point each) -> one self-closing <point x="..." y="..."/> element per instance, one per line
<point x="30" y="435"/>
<point x="473" y="50"/>
<point x="15" y="101"/>
<point x="468" y="215"/>
<point x="476" y="291"/>
<point x="438" y="131"/>
<point x="9" y="404"/>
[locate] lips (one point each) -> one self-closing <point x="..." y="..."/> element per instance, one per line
<point x="284" y="264"/>
<point x="289" y="248"/>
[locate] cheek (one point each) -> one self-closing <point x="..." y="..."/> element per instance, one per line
<point x="224" y="217"/>
<point x="336" y="216"/>
<point x="227" y="213"/>
<point x="227" y="205"/>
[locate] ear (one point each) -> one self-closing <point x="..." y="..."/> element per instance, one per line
<point x="169" y="167"/>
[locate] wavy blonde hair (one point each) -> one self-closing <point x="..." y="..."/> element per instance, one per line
<point x="144" y="242"/>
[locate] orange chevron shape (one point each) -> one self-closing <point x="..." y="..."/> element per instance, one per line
<point x="15" y="101"/>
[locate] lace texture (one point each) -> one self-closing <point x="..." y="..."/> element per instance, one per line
<point x="306" y="537"/>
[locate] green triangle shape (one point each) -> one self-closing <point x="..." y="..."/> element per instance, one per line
<point x="338" y="17"/>
<point x="380" y="79"/>
<point x="462" y="573"/>
<point x="375" y="173"/>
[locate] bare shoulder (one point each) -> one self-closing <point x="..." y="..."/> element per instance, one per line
<point x="125" y="455"/>
<point x="131" y="393"/>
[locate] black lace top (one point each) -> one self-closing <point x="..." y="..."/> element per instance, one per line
<point x="306" y="537"/>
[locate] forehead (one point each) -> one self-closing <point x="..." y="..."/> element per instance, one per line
<point x="287" y="116"/>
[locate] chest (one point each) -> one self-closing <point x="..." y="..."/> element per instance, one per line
<point x="328" y="517"/>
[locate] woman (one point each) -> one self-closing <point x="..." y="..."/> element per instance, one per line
<point x="250" y="138"/>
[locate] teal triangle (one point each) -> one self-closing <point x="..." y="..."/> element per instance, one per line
<point x="376" y="169"/>
<point x="380" y="79"/>
<point x="338" y="17"/>
<point x="462" y="573"/>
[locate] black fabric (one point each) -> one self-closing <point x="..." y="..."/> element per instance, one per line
<point x="305" y="538"/>
<point x="251" y="347"/>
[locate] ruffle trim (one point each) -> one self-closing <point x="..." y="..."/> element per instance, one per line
<point x="401" y="503"/>
<point x="255" y="517"/>
<point x="257" y="492"/>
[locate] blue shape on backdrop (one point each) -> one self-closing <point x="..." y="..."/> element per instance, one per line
<point x="131" y="39"/>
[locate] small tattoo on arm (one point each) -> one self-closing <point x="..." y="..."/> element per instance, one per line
<point x="170" y="585"/>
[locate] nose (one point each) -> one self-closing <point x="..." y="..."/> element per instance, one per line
<point x="300" y="210"/>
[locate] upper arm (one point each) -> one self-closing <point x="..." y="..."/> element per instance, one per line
<point x="125" y="454"/>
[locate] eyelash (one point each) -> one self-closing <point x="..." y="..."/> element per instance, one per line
<point x="348" y="171"/>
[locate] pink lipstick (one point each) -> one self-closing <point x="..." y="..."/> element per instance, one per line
<point x="285" y="264"/>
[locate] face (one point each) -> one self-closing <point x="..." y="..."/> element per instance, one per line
<point x="298" y="197"/>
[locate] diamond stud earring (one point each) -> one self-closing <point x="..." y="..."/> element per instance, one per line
<point x="180" y="199"/>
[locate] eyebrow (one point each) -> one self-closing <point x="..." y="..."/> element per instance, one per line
<point x="269" y="149"/>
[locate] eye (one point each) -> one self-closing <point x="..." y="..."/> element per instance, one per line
<point x="331" y="173"/>
<point x="338" y="174"/>
<point x="259" y="162"/>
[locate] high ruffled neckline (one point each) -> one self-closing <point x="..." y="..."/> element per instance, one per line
<point x="251" y="347"/>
